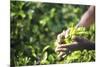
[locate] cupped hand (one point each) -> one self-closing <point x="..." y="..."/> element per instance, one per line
<point x="79" y="43"/>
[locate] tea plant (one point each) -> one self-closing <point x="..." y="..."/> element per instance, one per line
<point x="79" y="56"/>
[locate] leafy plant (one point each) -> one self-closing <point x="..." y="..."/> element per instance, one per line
<point x="80" y="56"/>
<point x="34" y="27"/>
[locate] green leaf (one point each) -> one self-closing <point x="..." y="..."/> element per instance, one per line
<point x="51" y="58"/>
<point x="45" y="56"/>
<point x="45" y="48"/>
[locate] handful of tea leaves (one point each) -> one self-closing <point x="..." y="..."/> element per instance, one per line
<point x="73" y="31"/>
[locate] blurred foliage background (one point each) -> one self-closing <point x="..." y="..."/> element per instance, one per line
<point x="34" y="28"/>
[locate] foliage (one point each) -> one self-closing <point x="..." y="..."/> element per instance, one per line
<point x="79" y="55"/>
<point x="34" y="27"/>
<point x="81" y="32"/>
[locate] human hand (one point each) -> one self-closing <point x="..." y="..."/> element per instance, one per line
<point x="61" y="40"/>
<point x="78" y="43"/>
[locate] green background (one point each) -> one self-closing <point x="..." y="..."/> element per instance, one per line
<point x="34" y="28"/>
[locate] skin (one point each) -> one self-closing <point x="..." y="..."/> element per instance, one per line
<point x="88" y="17"/>
<point x="79" y="43"/>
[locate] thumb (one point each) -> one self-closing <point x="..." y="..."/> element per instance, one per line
<point x="78" y="39"/>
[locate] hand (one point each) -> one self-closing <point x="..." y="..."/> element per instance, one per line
<point x="78" y="43"/>
<point x="60" y="40"/>
<point x="61" y="37"/>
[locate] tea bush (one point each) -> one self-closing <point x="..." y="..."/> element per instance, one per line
<point x="34" y="28"/>
<point x="79" y="55"/>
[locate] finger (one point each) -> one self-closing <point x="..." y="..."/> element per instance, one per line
<point x="67" y="45"/>
<point x="63" y="33"/>
<point x="57" y="49"/>
<point x="62" y="46"/>
<point x="58" y="36"/>
<point x="58" y="46"/>
<point x="60" y="39"/>
<point x="77" y="39"/>
<point x="62" y="55"/>
<point x="61" y="50"/>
